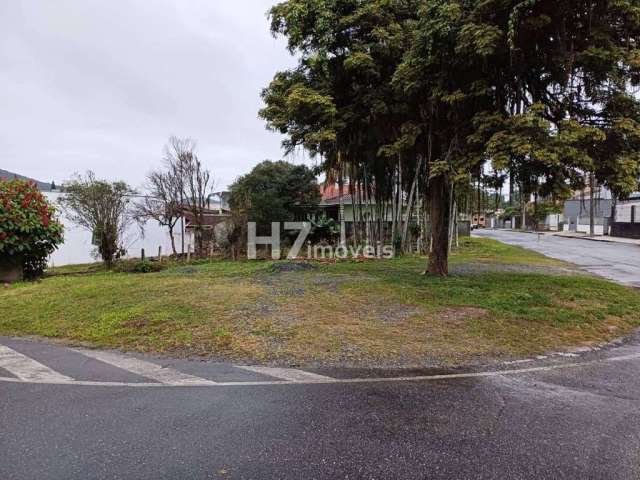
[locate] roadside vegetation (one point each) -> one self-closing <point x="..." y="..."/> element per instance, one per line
<point x="499" y="301"/>
<point x="29" y="230"/>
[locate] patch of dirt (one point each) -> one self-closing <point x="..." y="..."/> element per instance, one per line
<point x="294" y="283"/>
<point x="390" y="313"/>
<point x="187" y="270"/>
<point x="479" y="268"/>
<point x="136" y="323"/>
<point x="331" y="282"/>
<point x="458" y="315"/>
<point x="291" y="267"/>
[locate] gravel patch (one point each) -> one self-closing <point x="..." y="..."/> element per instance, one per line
<point x="292" y="267"/>
<point x="480" y="268"/>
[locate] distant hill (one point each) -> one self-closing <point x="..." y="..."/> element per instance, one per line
<point x="43" y="186"/>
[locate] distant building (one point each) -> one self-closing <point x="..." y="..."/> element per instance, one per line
<point x="349" y="209"/>
<point x="216" y="212"/>
<point x="479" y="220"/>
<point x="619" y="219"/>
<point x="576" y="212"/>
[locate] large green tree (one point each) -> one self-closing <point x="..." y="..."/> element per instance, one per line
<point x="391" y="91"/>
<point x="339" y="102"/>
<point x="274" y="192"/>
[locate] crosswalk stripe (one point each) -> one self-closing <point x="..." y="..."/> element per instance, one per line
<point x="27" y="369"/>
<point x="289" y="374"/>
<point x="164" y="375"/>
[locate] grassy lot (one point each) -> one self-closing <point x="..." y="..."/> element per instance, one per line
<point x="500" y="301"/>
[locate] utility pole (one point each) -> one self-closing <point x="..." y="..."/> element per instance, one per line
<point x="182" y="223"/>
<point x="592" y="219"/>
<point x="523" y="202"/>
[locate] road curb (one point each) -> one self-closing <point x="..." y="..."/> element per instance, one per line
<point x="338" y="381"/>
<point x="560" y="235"/>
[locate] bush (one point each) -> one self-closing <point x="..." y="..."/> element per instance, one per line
<point x="145" y="266"/>
<point x="28" y="226"/>
<point x="138" y="266"/>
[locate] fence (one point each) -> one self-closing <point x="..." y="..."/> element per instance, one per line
<point x="625" y="229"/>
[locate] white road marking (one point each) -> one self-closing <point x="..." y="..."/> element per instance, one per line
<point x="325" y="380"/>
<point x="26" y="368"/>
<point x="543" y="357"/>
<point x="164" y="375"/>
<point x="517" y="362"/>
<point x="565" y="354"/>
<point x="623" y="358"/>
<point x="288" y="374"/>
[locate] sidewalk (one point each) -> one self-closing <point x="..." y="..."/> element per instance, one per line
<point x="599" y="238"/>
<point x="579" y="236"/>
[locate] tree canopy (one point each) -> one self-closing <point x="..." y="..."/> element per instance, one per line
<point x="274" y="191"/>
<point x="102" y="208"/>
<point x="396" y="93"/>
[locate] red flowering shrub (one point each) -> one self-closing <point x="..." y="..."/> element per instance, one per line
<point x="28" y="227"/>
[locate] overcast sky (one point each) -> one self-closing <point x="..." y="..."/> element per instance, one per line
<point x="101" y="85"/>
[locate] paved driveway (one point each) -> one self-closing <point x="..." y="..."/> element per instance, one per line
<point x="615" y="261"/>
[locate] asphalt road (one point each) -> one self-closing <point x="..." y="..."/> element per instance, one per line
<point x="560" y="418"/>
<point x="615" y="261"/>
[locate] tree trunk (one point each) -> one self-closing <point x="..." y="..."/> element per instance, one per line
<point x="592" y="213"/>
<point x="456" y="232"/>
<point x="479" y="193"/>
<point x="439" y="193"/>
<point x="424" y="224"/>
<point x="535" y="211"/>
<point x="343" y="223"/>
<point x="523" y="202"/>
<point x="511" y="190"/>
<point x="395" y="206"/>
<point x="173" y="241"/>
<point x="356" y="206"/>
<point x="400" y="199"/>
<point x="451" y="224"/>
<point x="414" y="185"/>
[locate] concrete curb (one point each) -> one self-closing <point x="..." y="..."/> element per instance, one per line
<point x="598" y="239"/>
<point x="604" y="238"/>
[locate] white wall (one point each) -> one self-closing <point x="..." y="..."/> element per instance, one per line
<point x="77" y="246"/>
<point x="552" y="221"/>
<point x="585" y="228"/>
